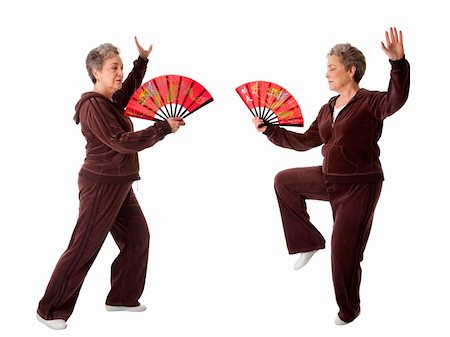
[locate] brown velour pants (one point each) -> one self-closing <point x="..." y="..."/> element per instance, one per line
<point x="353" y="206"/>
<point x="104" y="209"/>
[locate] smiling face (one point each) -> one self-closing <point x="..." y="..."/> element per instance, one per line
<point x="110" y="77"/>
<point x="339" y="77"/>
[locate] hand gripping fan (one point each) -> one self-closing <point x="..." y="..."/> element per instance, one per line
<point x="167" y="96"/>
<point x="271" y="102"/>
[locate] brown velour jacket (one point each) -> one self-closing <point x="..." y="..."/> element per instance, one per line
<point x="111" y="143"/>
<point x="350" y="149"/>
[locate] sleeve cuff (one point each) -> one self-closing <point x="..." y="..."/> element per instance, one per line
<point x="397" y="64"/>
<point x="141" y="62"/>
<point x="270" y="129"/>
<point x="165" y="127"/>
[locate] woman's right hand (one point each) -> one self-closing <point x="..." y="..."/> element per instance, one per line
<point x="175" y="123"/>
<point x="259" y="124"/>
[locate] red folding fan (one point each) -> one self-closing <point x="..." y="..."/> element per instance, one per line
<point x="167" y="96"/>
<point x="271" y="103"/>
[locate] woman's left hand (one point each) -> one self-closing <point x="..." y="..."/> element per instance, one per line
<point x="394" y="45"/>
<point x="142" y="52"/>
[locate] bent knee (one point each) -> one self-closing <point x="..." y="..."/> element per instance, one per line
<point x="280" y="179"/>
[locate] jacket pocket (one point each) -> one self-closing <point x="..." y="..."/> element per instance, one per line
<point x="337" y="162"/>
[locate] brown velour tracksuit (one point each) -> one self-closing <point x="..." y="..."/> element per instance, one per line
<point x="350" y="178"/>
<point x="107" y="202"/>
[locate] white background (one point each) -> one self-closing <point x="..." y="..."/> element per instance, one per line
<point x="218" y="263"/>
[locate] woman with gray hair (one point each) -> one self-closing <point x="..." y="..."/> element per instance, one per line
<point x="350" y="178"/>
<point x="107" y="200"/>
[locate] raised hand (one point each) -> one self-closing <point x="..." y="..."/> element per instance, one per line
<point x="143" y="52"/>
<point x="394" y="44"/>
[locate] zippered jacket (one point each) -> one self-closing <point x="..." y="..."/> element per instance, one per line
<point x="112" y="145"/>
<point x="350" y="144"/>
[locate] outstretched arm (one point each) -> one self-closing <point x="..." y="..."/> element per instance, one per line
<point x="290" y="139"/>
<point x="394" y="44"/>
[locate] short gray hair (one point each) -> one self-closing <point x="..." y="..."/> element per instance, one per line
<point x="350" y="56"/>
<point x="97" y="57"/>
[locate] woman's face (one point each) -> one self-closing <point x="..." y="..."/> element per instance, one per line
<point x="110" y="77"/>
<point x="338" y="77"/>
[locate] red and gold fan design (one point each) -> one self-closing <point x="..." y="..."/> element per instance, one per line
<point x="271" y="103"/>
<point x="167" y="96"/>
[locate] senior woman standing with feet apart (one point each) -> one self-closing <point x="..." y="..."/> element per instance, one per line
<point x="350" y="178"/>
<point x="107" y="202"/>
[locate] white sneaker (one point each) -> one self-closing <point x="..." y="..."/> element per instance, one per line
<point x="339" y="321"/>
<point x="137" y="308"/>
<point x="303" y="259"/>
<point x="56" y="324"/>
